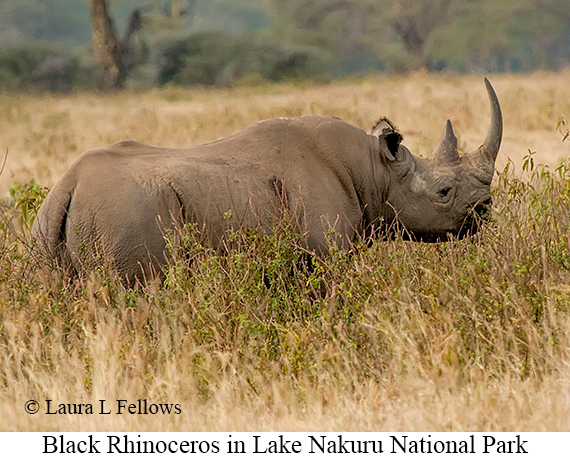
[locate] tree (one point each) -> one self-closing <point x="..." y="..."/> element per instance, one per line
<point x="341" y="29"/>
<point x="414" y="22"/>
<point x="116" y="56"/>
<point x="510" y="35"/>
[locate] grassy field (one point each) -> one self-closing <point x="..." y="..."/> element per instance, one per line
<point x="471" y="335"/>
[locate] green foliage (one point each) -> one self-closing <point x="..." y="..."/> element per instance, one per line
<point x="26" y="201"/>
<point x="18" y="214"/>
<point x="502" y="36"/>
<point x="219" y="42"/>
<point x="37" y="68"/>
<point x="214" y="58"/>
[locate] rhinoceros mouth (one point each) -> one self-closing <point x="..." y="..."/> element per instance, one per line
<point x="482" y="210"/>
<point x="477" y="215"/>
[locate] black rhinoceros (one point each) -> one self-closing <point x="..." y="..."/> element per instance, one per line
<point x="118" y="200"/>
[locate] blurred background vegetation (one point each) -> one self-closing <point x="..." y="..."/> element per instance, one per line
<point x="47" y="45"/>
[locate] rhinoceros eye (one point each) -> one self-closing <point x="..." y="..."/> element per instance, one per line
<point x="445" y="192"/>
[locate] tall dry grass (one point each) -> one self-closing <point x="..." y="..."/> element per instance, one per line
<point x="471" y="335"/>
<point x="44" y="134"/>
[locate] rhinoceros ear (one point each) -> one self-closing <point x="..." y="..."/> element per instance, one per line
<point x="388" y="137"/>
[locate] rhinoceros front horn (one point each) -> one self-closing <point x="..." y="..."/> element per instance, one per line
<point x="483" y="158"/>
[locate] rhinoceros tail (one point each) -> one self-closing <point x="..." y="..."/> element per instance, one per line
<point x="48" y="230"/>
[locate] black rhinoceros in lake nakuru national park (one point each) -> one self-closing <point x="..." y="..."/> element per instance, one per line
<point x="116" y="202"/>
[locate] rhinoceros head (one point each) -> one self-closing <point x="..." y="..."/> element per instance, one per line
<point x="447" y="194"/>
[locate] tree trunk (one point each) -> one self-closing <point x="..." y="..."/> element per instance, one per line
<point x="415" y="21"/>
<point x="108" y="48"/>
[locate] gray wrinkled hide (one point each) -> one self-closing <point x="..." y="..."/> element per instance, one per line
<point x="116" y="202"/>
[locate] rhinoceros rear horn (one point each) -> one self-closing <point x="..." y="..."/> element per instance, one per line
<point x="483" y="158"/>
<point x="445" y="152"/>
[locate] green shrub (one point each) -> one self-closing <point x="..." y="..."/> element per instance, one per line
<point x="213" y="58"/>
<point x="37" y="68"/>
<point x="26" y="201"/>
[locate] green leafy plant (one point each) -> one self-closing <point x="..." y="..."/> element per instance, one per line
<point x="27" y="199"/>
